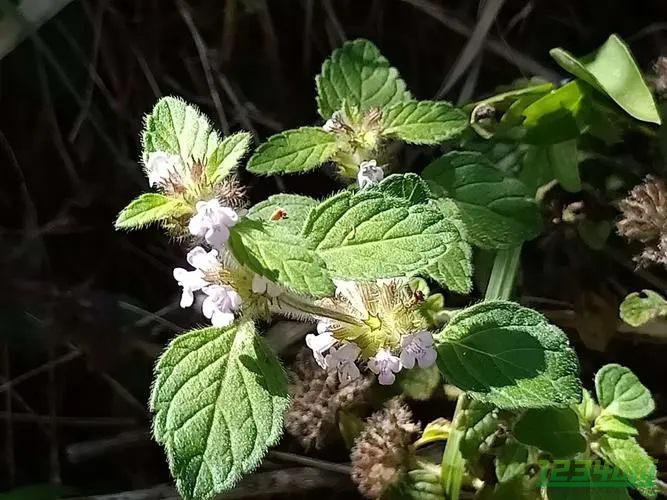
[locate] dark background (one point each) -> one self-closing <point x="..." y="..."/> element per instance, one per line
<point x="84" y="310"/>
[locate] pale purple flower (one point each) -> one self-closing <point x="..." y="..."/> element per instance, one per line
<point x="369" y="174"/>
<point x="320" y="344"/>
<point x="220" y="304"/>
<point x="384" y="364"/>
<point x="160" y="166"/>
<point x="419" y="348"/>
<point x="342" y="360"/>
<point x="212" y="222"/>
<point x="264" y="286"/>
<point x="203" y="260"/>
<point x="191" y="281"/>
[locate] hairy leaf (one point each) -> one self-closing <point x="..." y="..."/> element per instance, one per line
<point x="621" y="393"/>
<point x="227" y="156"/>
<point x="370" y="235"/>
<point x="408" y="186"/>
<point x="616" y="426"/>
<point x="274" y="252"/>
<point x="554" y="430"/>
<point x="419" y="383"/>
<point x="218" y="398"/>
<point x="359" y="75"/>
<point x="612" y="69"/>
<point x="297" y="150"/>
<point x="638" y="309"/>
<point x="290" y="209"/>
<point x="509" y="356"/>
<point x="636" y="464"/>
<point x="498" y="211"/>
<point x="148" y="208"/>
<point x="423" y="122"/>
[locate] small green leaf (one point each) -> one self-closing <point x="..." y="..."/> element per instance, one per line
<point x="594" y="233"/>
<point x="612" y="70"/>
<point x="370" y="235"/>
<point x="480" y="422"/>
<point x="512" y="460"/>
<point x="621" y="393"/>
<point x="498" y="211"/>
<point x="179" y="128"/>
<point x="423" y="122"/>
<point x="227" y="156"/>
<point x="437" y="430"/>
<point x="554" y="430"/>
<point x="218" y="398"/>
<point x="509" y="356"/>
<point x="297" y="150"/>
<point x="553" y="118"/>
<point x="408" y="186"/>
<point x="633" y="461"/>
<point x="148" y="208"/>
<point x="291" y="209"/>
<point x="359" y="75"/>
<point x="419" y="383"/>
<point x="638" y="309"/>
<point x="617" y="427"/>
<point x="553" y="161"/>
<point x="274" y="252"/>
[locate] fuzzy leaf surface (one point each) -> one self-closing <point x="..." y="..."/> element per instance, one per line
<point x="498" y="211"/>
<point x="292" y="151"/>
<point x="621" y="393"/>
<point x="218" y="398"/>
<point x="410" y="187"/>
<point x="509" y="356"/>
<point x="634" y="462"/>
<point x="359" y="75"/>
<point x="423" y="122"/>
<point x="637" y="309"/>
<point x="227" y="156"/>
<point x="148" y="208"/>
<point x="293" y="210"/>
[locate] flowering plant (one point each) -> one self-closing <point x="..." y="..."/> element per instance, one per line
<point x="359" y="266"/>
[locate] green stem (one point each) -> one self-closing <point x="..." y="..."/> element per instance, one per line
<point x="503" y="274"/>
<point x="308" y="308"/>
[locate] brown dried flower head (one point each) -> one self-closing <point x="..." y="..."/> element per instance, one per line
<point x="644" y="219"/>
<point x="660" y="79"/>
<point x="317" y="396"/>
<point x="382" y="451"/>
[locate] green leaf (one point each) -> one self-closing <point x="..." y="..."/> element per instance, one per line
<point x="554" y="430"/>
<point x="633" y="461"/>
<point x="297" y="150"/>
<point x="179" y="128"/>
<point x="274" y="252"/>
<point x="291" y="209"/>
<point x="553" y="118"/>
<point x="359" y="75"/>
<point x="227" y="156"/>
<point x="218" y="398"/>
<point x="512" y="460"/>
<point x="621" y="393"/>
<point x="148" y="208"/>
<point x="612" y="70"/>
<point x="480" y="422"/>
<point x="498" y="211"/>
<point x="638" y="309"/>
<point x="423" y="122"/>
<point x="554" y="161"/>
<point x="419" y="383"/>
<point x="370" y="235"/>
<point x="437" y="430"/>
<point x="409" y="187"/>
<point x="417" y="484"/>
<point x="509" y="356"/>
<point x="617" y="427"/>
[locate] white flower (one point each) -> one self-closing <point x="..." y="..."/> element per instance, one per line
<point x="191" y="281"/>
<point x="332" y="124"/>
<point x="419" y="348"/>
<point x="212" y="222"/>
<point x="220" y="304"/>
<point x="342" y="360"/>
<point x="384" y="364"/>
<point x="202" y="260"/>
<point x="160" y="166"/>
<point x="262" y="285"/>
<point x="369" y="174"/>
<point x="320" y="344"/>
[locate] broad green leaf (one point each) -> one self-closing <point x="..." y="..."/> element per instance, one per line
<point x="553" y="118"/>
<point x="370" y="235"/>
<point x="616" y="426"/>
<point x="554" y="161"/>
<point x="227" y="156"/>
<point x="218" y="398"/>
<point x="359" y="75"/>
<point x="505" y="156"/>
<point x="640" y="308"/>
<point x="419" y="383"/>
<point x="554" y="430"/>
<point x="408" y="186"/>
<point x="438" y="430"/>
<point x="621" y="393"/>
<point x="179" y="128"/>
<point x="612" y="70"/>
<point x="272" y="251"/>
<point x="636" y="464"/>
<point x="297" y="150"/>
<point x="423" y="122"/>
<point x="148" y="208"/>
<point x="498" y="211"/>
<point x="290" y="209"/>
<point x="509" y="356"/>
<point x="512" y="460"/>
<point x="480" y="423"/>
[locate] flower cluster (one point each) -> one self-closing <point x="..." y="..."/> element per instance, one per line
<point x="389" y="333"/>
